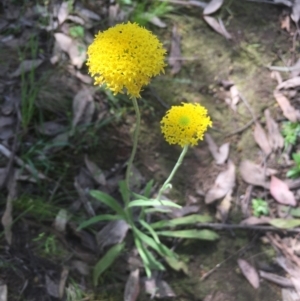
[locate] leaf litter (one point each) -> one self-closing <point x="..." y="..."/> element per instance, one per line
<point x="220" y="194"/>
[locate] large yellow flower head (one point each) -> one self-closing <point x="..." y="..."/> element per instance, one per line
<point x="125" y="56"/>
<point x="185" y="124"/>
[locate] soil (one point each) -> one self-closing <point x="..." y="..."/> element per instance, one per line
<point x="257" y="42"/>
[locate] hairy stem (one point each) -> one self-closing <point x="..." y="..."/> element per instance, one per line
<point x="135" y="143"/>
<point x="169" y="179"/>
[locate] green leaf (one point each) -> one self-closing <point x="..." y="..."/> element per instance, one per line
<point x="293" y="173"/>
<point x="149" y="228"/>
<point x="162" y="210"/>
<point x="148" y="258"/>
<point x="296" y="157"/>
<point x="139" y="196"/>
<point x="106" y="261"/>
<point x="99" y="218"/>
<point x="185" y="220"/>
<point x="109" y="201"/>
<point x="143" y="255"/>
<point x="196" y="234"/>
<point x="152" y="202"/>
<point x="285" y="223"/>
<point x="124" y="191"/>
<point x="160" y="248"/>
<point x="177" y="265"/>
<point x="148" y="188"/>
<point x="295" y="212"/>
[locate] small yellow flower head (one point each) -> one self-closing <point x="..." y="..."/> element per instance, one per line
<point x="185" y="124"/>
<point x="125" y="56"/>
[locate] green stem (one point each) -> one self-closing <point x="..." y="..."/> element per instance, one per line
<point x="169" y="179"/>
<point x="135" y="143"/>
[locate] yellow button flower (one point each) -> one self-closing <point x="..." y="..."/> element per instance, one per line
<point x="125" y="57"/>
<point x="185" y="124"/>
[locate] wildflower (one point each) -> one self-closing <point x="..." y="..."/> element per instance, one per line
<point x="125" y="56"/>
<point x="185" y="124"/>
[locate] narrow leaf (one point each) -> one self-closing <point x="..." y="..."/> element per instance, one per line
<point x="99" y="218"/>
<point x="107" y="260"/>
<point x="152" y="203"/>
<point x="185" y="220"/>
<point x="285" y="223"/>
<point x="150" y="229"/>
<point x="196" y="234"/>
<point x="108" y="200"/>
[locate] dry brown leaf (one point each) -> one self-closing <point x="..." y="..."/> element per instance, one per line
<point x="290" y="83"/>
<point x="175" y="53"/>
<point x="291" y="269"/>
<point x="295" y="15"/>
<point x="235" y="97"/>
<point x="275" y="138"/>
<point x="218" y="26"/>
<point x="254" y="174"/>
<point x="81" y="267"/>
<point x="276" y="75"/>
<point x="62" y="282"/>
<point x="95" y="171"/>
<point x="132" y="288"/>
<point x="63" y="41"/>
<point x="26" y="66"/>
<point x="253" y="220"/>
<point x="281" y="192"/>
<point x="51" y="128"/>
<point x="212" y="7"/>
<point x="61" y="220"/>
<point x="113" y="233"/>
<point x="261" y="139"/>
<point x="223" y="208"/>
<point x="83" y="107"/>
<point x="7" y="219"/>
<point x="63" y="12"/>
<point x="224" y="183"/>
<point x="249" y="272"/>
<point x="220" y="154"/>
<point x="3" y="292"/>
<point x="289" y="294"/>
<point x="75" y="49"/>
<point x="164" y="290"/>
<point x="285" y="23"/>
<point x="52" y="287"/>
<point x="158" y="22"/>
<point x="282" y="281"/>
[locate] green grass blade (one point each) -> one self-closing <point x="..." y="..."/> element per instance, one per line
<point x="106" y="261"/>
<point x="151" y="231"/>
<point x="195" y="234"/>
<point x="148" y="188"/>
<point x="185" y="220"/>
<point x="124" y="191"/>
<point x="160" y="248"/>
<point x="99" y="218"/>
<point x="143" y="255"/>
<point x="109" y="201"/>
<point x="152" y="202"/>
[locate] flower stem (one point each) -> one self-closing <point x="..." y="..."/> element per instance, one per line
<point x="135" y="143"/>
<point x="169" y="179"/>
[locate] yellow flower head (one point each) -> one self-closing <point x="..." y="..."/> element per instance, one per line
<point x="185" y="124"/>
<point x="125" y="56"/>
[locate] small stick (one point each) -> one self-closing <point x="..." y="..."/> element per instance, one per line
<point x="219" y="226"/>
<point x="241" y="129"/>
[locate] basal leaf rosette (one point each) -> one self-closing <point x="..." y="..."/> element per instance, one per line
<point x="125" y="57"/>
<point x="185" y="124"/>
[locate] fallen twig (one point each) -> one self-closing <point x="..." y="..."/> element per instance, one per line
<point x="219" y="226"/>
